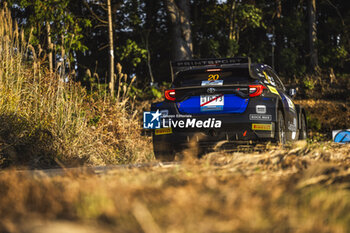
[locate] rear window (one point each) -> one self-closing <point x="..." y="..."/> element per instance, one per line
<point x="197" y="78"/>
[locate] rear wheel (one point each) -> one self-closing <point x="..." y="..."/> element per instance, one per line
<point x="280" y="129"/>
<point x="163" y="151"/>
<point x="303" y="129"/>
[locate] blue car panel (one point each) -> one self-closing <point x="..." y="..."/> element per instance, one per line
<point x="232" y="104"/>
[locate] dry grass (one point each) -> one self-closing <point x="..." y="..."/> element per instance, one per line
<point x="301" y="189"/>
<point x="331" y="114"/>
<point x="45" y="121"/>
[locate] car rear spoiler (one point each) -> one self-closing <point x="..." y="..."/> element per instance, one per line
<point x="209" y="62"/>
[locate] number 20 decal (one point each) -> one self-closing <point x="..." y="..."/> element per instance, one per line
<point x="213" y="77"/>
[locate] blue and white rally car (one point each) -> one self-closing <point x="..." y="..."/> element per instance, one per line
<point x="230" y="100"/>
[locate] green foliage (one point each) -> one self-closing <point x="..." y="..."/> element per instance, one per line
<point x="212" y="28"/>
<point x="340" y="52"/>
<point x="95" y="120"/>
<point x="148" y="93"/>
<point x="290" y="60"/>
<point x="156" y="93"/>
<point x="131" y="53"/>
<point x="62" y="22"/>
<point x="309" y="82"/>
<point x="219" y="29"/>
<point x="332" y="56"/>
<point x="232" y="48"/>
<point x="145" y="93"/>
<point x="249" y="16"/>
<point x="313" y="123"/>
<point x="210" y="48"/>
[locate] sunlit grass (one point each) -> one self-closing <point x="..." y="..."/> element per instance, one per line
<point x="46" y="121"/>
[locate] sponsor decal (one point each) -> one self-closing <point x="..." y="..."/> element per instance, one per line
<point x="341" y="136"/>
<point x="163" y="131"/>
<point x="205" y="62"/>
<point x="259" y="117"/>
<point x="261" y="109"/>
<point x="290" y="103"/>
<point x="151" y="120"/>
<point x="267" y="127"/>
<point x="273" y="90"/>
<point x="213" y="83"/>
<point x="293" y="128"/>
<point x="269" y="79"/>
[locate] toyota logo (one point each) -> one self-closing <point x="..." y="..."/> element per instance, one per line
<point x="211" y="90"/>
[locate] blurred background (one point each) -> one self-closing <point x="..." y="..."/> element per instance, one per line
<point x="295" y="37"/>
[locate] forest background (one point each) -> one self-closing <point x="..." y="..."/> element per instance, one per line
<point x="295" y="37"/>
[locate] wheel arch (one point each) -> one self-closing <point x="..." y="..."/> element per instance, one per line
<point x="280" y="106"/>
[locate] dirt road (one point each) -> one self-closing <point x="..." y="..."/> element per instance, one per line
<point x="302" y="188"/>
<point x="94" y="170"/>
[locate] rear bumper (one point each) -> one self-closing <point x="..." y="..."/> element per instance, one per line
<point x="235" y="128"/>
<point x="240" y="133"/>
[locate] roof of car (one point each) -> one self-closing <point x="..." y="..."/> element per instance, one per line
<point x="225" y="66"/>
<point x="198" y="65"/>
<point x="255" y="66"/>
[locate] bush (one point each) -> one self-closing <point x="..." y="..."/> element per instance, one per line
<point x="47" y="121"/>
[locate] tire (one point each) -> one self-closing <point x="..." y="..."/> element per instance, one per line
<point x="280" y="134"/>
<point x="303" y="128"/>
<point x="163" y="151"/>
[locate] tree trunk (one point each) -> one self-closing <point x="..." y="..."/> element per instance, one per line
<point x="49" y="46"/>
<point x="278" y="8"/>
<point x="232" y="34"/>
<point x="279" y="37"/>
<point x="63" y="54"/>
<point x="179" y="14"/>
<point x="111" y="49"/>
<point x="148" y="55"/>
<point x="234" y="30"/>
<point x="312" y="35"/>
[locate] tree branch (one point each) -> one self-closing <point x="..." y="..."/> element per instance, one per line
<point x="93" y="13"/>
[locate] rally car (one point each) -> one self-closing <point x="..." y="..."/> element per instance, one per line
<point x="227" y="100"/>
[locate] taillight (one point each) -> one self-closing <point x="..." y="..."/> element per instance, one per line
<point x="256" y="90"/>
<point x="170" y="95"/>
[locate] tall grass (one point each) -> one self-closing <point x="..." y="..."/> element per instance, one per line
<point x="46" y="121"/>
